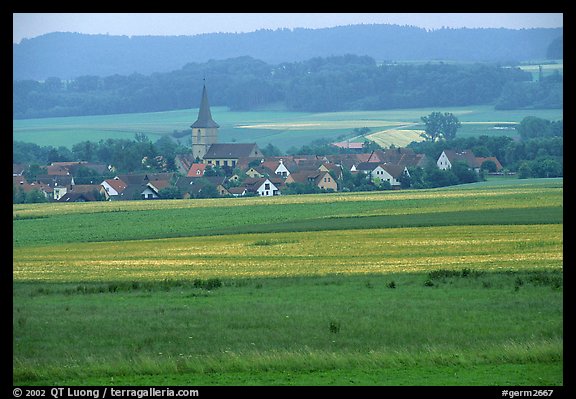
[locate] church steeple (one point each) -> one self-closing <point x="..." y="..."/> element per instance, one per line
<point x="204" y="114"/>
<point x="205" y="129"/>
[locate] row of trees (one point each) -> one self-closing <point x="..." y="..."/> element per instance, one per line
<point x="334" y="83"/>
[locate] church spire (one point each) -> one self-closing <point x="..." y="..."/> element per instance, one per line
<point x="204" y="115"/>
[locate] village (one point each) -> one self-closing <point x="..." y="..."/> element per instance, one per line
<point x="214" y="169"/>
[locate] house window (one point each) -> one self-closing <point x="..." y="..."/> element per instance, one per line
<point x="226" y="163"/>
<point x="233" y="163"/>
<point x="266" y="187"/>
<point x="217" y="163"/>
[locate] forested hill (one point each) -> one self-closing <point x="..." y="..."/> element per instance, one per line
<point x="69" y="55"/>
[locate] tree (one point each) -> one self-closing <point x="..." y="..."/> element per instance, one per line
<point x="271" y="151"/>
<point x="532" y="126"/>
<point x="18" y="195"/>
<point x="464" y="173"/>
<point x="34" y="171"/>
<point x="489" y="165"/>
<point x="35" y="196"/>
<point x="440" y="126"/>
<point x="170" y="192"/>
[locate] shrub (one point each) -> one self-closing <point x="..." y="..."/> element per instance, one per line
<point x="334" y="327"/>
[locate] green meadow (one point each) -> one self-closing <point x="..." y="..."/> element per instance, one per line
<point x="280" y="128"/>
<point x="459" y="286"/>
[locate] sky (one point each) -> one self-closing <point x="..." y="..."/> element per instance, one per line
<point x="29" y="25"/>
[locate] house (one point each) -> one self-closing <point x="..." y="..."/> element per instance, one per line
<point x="141" y="185"/>
<point x="113" y="188"/>
<point x="390" y="173"/>
<point x="197" y="170"/>
<point x="152" y="189"/>
<point x="77" y="197"/>
<point x="449" y="157"/>
<point x="18" y="169"/>
<point x="194" y="187"/>
<point x="280" y="166"/>
<point x="351" y="146"/>
<point x="20" y="183"/>
<point x="403" y="157"/>
<point x="367" y="167"/>
<point x="262" y="186"/>
<point x="325" y="181"/>
<point x="315" y="177"/>
<point x="73" y="168"/>
<point x="237" y="191"/>
<point x="183" y="163"/>
<point x="255" y="172"/>
<point x="82" y="193"/>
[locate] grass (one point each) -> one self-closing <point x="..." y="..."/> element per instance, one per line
<point x="283" y="325"/>
<point x="458" y="286"/>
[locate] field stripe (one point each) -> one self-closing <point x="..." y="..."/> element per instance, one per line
<point x="504" y="216"/>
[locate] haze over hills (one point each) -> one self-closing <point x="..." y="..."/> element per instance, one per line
<point x="69" y="55"/>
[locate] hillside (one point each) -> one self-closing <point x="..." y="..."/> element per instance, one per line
<point x="69" y="55"/>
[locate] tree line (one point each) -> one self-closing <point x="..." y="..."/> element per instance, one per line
<point x="335" y="83"/>
<point x="69" y="55"/>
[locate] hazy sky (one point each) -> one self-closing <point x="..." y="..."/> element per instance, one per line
<point x="29" y="25"/>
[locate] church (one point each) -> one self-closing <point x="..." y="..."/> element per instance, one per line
<point x="205" y="146"/>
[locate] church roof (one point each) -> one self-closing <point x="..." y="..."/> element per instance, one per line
<point x="231" y="150"/>
<point x="204" y="115"/>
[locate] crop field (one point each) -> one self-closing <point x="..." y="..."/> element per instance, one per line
<point x="282" y="129"/>
<point x="459" y="286"/>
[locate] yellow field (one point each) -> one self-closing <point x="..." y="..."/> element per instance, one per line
<point x="297" y="254"/>
<point x="396" y="137"/>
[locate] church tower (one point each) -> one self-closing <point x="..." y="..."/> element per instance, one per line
<point x="204" y="130"/>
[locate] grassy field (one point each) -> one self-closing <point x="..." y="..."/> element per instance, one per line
<point x="459" y="286"/>
<point x="282" y="129"/>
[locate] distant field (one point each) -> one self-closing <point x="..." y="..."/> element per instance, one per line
<point x="547" y="68"/>
<point x="282" y="129"/>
